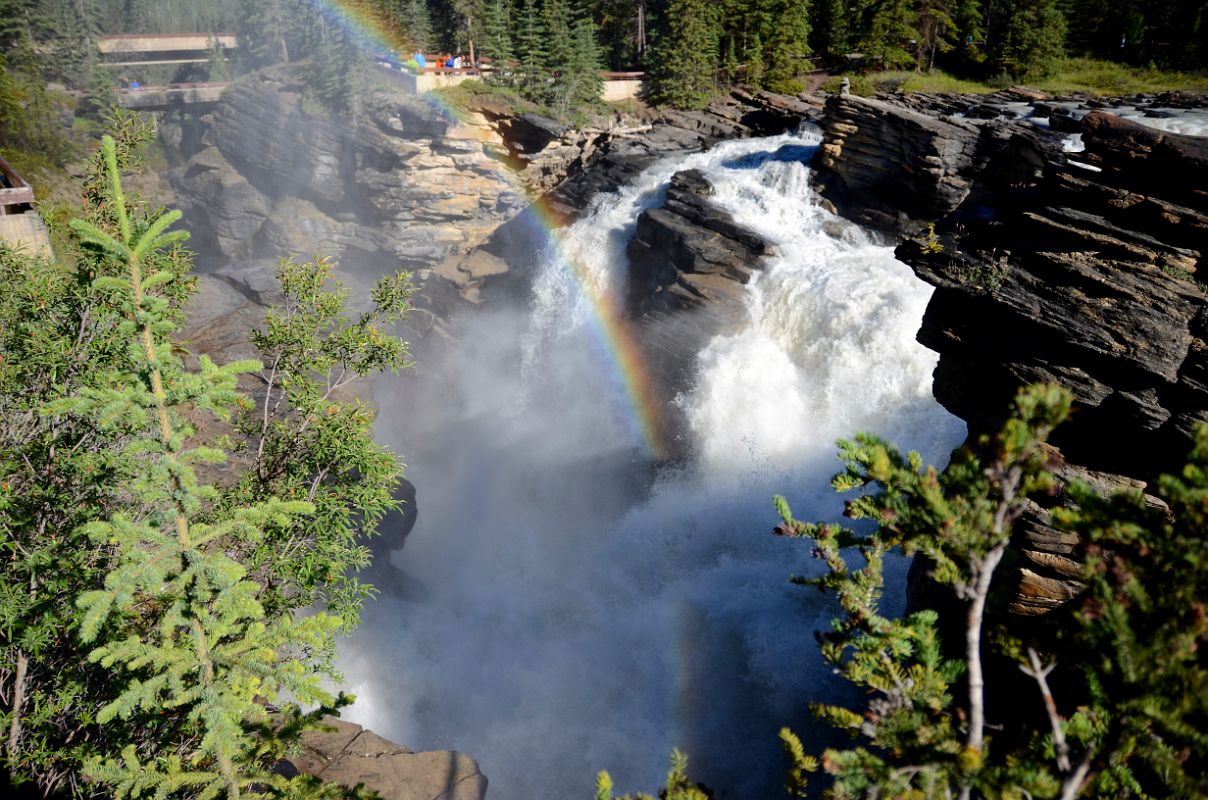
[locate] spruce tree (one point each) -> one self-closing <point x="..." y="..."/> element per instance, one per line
<point x="1029" y="39"/>
<point x="90" y="494"/>
<point x="829" y="29"/>
<point x="967" y="16"/>
<point x="756" y="73"/>
<point x="582" y="81"/>
<point x="559" y="37"/>
<point x="534" y="62"/>
<point x="936" y="28"/>
<point x="788" y="47"/>
<point x="496" y="42"/>
<point x="177" y="614"/>
<point x="1118" y="682"/>
<point x="683" y="74"/>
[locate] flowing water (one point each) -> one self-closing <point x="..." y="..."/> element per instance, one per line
<point x="581" y="611"/>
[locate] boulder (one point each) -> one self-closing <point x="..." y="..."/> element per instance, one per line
<point x="349" y="755"/>
<point x="1080" y="278"/>
<point x="688" y="263"/>
<point x="880" y="162"/>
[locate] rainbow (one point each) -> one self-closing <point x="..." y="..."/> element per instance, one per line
<point x="371" y="32"/>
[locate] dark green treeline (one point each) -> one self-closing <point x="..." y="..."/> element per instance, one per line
<point x="548" y="48"/>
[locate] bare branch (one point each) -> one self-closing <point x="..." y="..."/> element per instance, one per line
<point x="1040" y="674"/>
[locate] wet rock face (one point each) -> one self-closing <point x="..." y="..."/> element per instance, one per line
<point x="617" y="160"/>
<point x="688" y="262"/>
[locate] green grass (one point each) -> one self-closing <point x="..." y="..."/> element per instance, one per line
<point x="472" y="95"/>
<point x="937" y="82"/>
<point x="1104" y="78"/>
<point x="1075" y="75"/>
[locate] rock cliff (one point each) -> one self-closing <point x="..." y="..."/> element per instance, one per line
<point x="401" y="187"/>
<point x="1079" y="268"/>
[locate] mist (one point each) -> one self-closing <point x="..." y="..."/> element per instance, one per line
<point x="568" y="604"/>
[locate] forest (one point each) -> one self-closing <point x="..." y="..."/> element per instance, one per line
<point x="181" y="553"/>
<point x="549" y="50"/>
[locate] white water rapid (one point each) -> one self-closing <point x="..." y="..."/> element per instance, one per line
<point x="580" y="612"/>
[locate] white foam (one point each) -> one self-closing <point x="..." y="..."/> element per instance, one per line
<point x="578" y="620"/>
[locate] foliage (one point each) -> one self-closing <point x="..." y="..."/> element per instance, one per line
<point x="29" y="115"/>
<point x="304" y="442"/>
<point x="59" y="338"/>
<point x="188" y="590"/>
<point x="678" y="786"/>
<point x="1143" y="625"/>
<point x="686" y="56"/>
<point x="176" y="612"/>
<point x="1130" y="718"/>
<point x="1031" y="36"/>
<point x="788" y="47"/>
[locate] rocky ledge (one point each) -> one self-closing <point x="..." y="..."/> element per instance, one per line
<point x="1078" y="268"/>
<point x="348" y="755"/>
<point x="619" y="158"/>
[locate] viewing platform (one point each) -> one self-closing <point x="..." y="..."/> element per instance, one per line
<point x="617" y="86"/>
<point x="20" y="225"/>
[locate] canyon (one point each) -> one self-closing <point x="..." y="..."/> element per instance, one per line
<point x="1051" y="259"/>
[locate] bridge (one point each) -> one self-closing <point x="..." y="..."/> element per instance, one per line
<point x="170" y="95"/>
<point x="142" y="49"/>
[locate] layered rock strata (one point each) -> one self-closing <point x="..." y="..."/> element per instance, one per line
<point x="1076" y="268"/>
<point x="688" y="263"/>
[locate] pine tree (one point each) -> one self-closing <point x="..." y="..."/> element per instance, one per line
<point x="1124" y="719"/>
<point x="788" y="47"/>
<point x="584" y="84"/>
<point x="685" y="63"/>
<point x="829" y="29"/>
<point x="559" y="36"/>
<point x="729" y="63"/>
<point x="200" y="642"/>
<point x="534" y="62"/>
<point x="418" y="23"/>
<point x="885" y="32"/>
<point x="936" y="28"/>
<point x="756" y="74"/>
<point x="89" y="495"/>
<point x="264" y="31"/>
<point x="1029" y="40"/>
<point x="967" y="16"/>
<point x="496" y="40"/>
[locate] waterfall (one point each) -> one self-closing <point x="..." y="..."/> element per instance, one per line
<point x="579" y="611"/>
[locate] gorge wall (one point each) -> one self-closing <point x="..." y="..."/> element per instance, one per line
<point x="1073" y="267"/>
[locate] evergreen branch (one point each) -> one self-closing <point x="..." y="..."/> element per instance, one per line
<point x="109" y="151"/>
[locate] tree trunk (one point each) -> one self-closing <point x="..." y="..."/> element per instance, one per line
<point x="14" y="728"/>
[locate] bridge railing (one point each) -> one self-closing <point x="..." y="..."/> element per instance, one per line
<point x="16" y="196"/>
